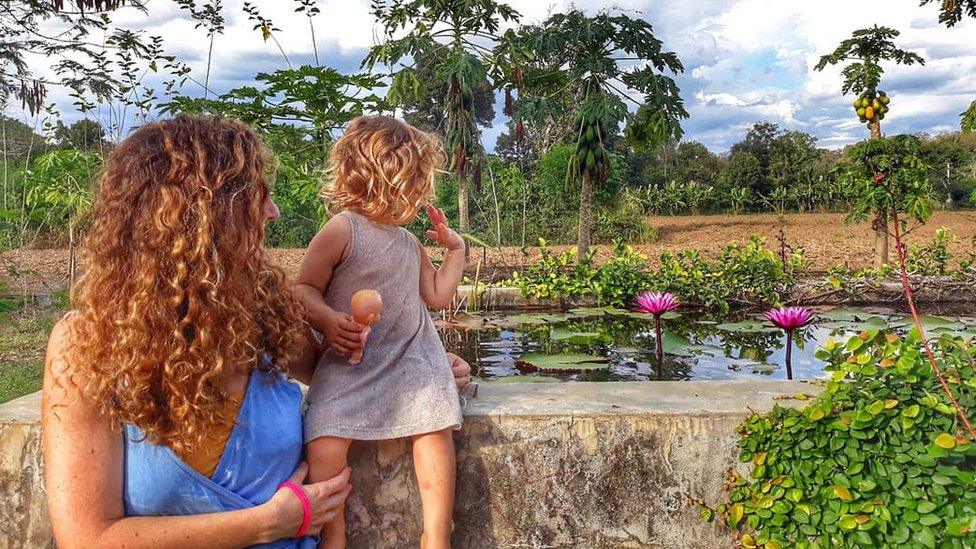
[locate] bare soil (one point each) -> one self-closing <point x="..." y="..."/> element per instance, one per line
<point x="824" y="237"/>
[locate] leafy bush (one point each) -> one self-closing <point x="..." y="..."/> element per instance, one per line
<point x="560" y="276"/>
<point x="931" y="259"/>
<point x="874" y="461"/>
<point x="741" y="275"/>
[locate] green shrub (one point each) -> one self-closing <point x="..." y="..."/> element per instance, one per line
<point x="932" y="258"/>
<point x="560" y="276"/>
<point x="741" y="275"/>
<point x="874" y="461"/>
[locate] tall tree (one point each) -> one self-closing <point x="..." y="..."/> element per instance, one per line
<point x="601" y="62"/>
<point x="758" y="141"/>
<point x="85" y="134"/>
<point x="426" y="111"/>
<point x="466" y="31"/>
<point x="952" y="11"/>
<point x="866" y="49"/>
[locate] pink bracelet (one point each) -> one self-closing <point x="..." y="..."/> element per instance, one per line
<point x="306" y="506"/>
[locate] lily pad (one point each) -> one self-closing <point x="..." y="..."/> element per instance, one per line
<point x="931" y="323"/>
<point x="540" y="318"/>
<point x="597" y="311"/>
<point x="746" y="327"/>
<point x="579" y="338"/>
<point x="523" y="379"/>
<point x="845" y="315"/>
<point x="566" y="363"/>
<point x="675" y="344"/>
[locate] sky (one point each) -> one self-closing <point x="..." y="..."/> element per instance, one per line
<point x="745" y="60"/>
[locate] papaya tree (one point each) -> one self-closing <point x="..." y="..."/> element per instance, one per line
<point x="864" y="52"/>
<point x="617" y="73"/>
<point x="969" y="118"/>
<point x="466" y="33"/>
<point x="952" y="11"/>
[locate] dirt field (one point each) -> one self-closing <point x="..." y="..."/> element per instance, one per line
<point x="826" y="241"/>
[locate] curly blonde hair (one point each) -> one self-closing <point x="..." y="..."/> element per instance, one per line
<point x="178" y="287"/>
<point x="384" y="169"/>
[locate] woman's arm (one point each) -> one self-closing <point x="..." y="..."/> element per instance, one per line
<point x="325" y="252"/>
<point x="303" y="368"/>
<point x="83" y="461"/>
<point x="438" y="285"/>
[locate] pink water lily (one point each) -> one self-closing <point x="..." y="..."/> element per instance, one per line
<point x="789" y="319"/>
<point x="657" y="303"/>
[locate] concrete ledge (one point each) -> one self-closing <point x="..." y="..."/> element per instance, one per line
<point x="539" y="465"/>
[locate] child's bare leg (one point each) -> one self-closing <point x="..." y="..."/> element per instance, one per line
<point x="326" y="459"/>
<point x="435" y="464"/>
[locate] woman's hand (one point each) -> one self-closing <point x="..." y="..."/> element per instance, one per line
<point x="442" y="232"/>
<point x="461" y="370"/>
<point x="326" y="498"/>
<point x="342" y="334"/>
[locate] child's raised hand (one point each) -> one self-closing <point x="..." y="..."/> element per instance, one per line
<point x="442" y="232"/>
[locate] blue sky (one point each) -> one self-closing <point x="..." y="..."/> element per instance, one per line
<point x="745" y="60"/>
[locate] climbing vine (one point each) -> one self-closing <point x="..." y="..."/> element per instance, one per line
<point x="879" y="459"/>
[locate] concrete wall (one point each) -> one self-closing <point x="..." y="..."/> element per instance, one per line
<point x="540" y="465"/>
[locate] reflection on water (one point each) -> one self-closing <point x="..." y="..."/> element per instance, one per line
<point x="697" y="347"/>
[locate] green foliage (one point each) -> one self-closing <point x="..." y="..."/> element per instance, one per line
<point x="932" y="258"/>
<point x="740" y="275"/>
<point x="968" y="123"/>
<point x="316" y="101"/>
<point x="867" y="47"/>
<point x="873" y="461"/>
<point x="886" y="175"/>
<point x="561" y="276"/>
<point x="952" y="12"/>
<point x="63" y="185"/>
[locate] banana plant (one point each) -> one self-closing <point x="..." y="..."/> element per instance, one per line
<point x="469" y="33"/>
<point x="738" y="199"/>
<point x="603" y="62"/>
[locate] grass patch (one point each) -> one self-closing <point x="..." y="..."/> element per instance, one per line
<point x="23" y="338"/>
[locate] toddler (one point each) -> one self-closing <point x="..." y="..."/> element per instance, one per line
<point x="382" y="174"/>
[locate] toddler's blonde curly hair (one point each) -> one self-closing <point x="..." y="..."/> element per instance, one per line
<point x="383" y="169"/>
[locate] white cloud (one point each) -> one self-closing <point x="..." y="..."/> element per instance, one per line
<point x="746" y="60"/>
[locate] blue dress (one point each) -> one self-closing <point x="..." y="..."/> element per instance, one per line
<point x="263" y="450"/>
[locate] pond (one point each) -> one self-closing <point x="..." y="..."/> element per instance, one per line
<point x="609" y="344"/>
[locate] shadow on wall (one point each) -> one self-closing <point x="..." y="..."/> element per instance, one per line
<point x="545" y="481"/>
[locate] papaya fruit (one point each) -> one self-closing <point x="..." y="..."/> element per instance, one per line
<point x="861" y="112"/>
<point x="869" y="113"/>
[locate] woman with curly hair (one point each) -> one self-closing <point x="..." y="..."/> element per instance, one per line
<point x="169" y="419"/>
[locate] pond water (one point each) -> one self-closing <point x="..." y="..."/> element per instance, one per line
<point x="608" y="344"/>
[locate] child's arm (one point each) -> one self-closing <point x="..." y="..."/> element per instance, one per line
<point x="325" y="252"/>
<point x="438" y="285"/>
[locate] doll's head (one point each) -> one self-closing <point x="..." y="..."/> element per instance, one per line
<point x="384" y="169"/>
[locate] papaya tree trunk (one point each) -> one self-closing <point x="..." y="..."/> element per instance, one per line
<point x="585" y="216"/>
<point x="880" y="243"/>
<point x="464" y="224"/>
<point x="880" y="222"/>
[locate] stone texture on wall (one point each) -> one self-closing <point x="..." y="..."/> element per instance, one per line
<point x="539" y="465"/>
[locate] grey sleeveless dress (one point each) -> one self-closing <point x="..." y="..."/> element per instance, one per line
<point x="404" y="385"/>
